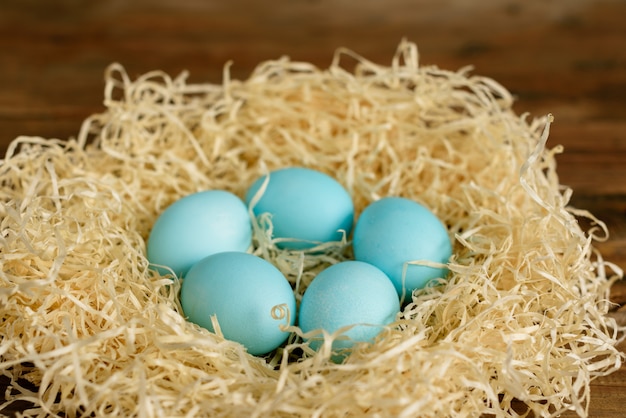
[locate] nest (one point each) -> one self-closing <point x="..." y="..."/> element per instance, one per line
<point x="89" y="329"/>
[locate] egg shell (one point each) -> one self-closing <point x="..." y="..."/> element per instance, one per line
<point x="196" y="226"/>
<point x="241" y="290"/>
<point x="394" y="231"/>
<point x="306" y="205"/>
<point x="344" y="294"/>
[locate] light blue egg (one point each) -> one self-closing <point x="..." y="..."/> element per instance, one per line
<point x="306" y="205"/>
<point x="196" y="226"/>
<point x="243" y="291"/>
<point x="348" y="293"/>
<point x="393" y="231"/>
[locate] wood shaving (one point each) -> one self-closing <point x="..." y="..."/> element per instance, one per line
<point x="89" y="330"/>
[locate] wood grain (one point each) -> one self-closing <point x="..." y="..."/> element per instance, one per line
<point x="566" y="57"/>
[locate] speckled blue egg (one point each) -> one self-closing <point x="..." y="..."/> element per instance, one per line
<point x="196" y="226"/>
<point x="394" y="231"/>
<point x="344" y="294"/>
<point x="244" y="292"/>
<point x="307" y="207"/>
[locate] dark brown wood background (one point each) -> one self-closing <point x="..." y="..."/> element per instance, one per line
<point x="566" y="57"/>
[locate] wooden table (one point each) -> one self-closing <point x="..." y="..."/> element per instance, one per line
<point x="564" y="57"/>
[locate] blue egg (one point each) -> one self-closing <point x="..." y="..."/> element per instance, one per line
<point x="348" y="293"/>
<point x="394" y="231"/>
<point x="244" y="292"/>
<point x="307" y="207"/>
<point x="196" y="226"/>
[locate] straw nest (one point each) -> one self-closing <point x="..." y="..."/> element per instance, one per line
<point x="88" y="329"/>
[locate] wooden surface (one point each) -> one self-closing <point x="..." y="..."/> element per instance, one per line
<point x="566" y="57"/>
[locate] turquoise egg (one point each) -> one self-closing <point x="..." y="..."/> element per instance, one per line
<point x="196" y="226"/>
<point x="244" y="293"/>
<point x="394" y="231"/>
<point x="344" y="294"/>
<point x="307" y="207"/>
